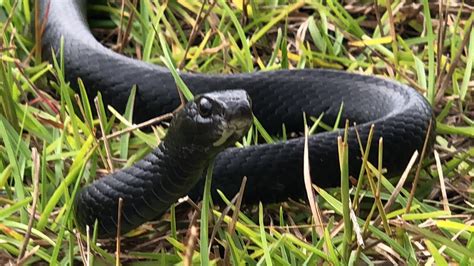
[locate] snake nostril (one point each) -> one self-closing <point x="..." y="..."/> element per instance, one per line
<point x="243" y="112"/>
<point x="241" y="116"/>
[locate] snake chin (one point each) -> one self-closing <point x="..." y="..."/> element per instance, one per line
<point x="231" y="133"/>
<point x="224" y="137"/>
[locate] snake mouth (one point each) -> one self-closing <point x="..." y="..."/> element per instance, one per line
<point x="232" y="131"/>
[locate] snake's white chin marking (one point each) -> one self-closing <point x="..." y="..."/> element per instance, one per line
<point x="226" y="133"/>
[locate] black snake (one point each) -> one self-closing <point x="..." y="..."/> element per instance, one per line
<point x="274" y="171"/>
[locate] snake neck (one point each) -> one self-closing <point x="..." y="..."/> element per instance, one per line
<point x="183" y="163"/>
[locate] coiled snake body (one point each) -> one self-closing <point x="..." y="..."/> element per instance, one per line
<point x="274" y="171"/>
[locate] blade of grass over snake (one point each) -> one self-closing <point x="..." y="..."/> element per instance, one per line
<point x="262" y="130"/>
<point x="179" y="82"/>
<point x="345" y="198"/>
<point x="204" y="243"/>
<point x="309" y="191"/>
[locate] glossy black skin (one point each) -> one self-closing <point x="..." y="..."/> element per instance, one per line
<point x="152" y="184"/>
<point x="274" y="171"/>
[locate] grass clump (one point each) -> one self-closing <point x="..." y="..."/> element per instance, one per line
<point x="49" y="144"/>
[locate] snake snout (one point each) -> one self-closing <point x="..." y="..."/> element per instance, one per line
<point x="240" y="117"/>
<point x="239" y="111"/>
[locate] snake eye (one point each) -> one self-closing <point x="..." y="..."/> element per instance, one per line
<point x="204" y="107"/>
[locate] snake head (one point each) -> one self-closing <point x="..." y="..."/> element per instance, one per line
<point x="212" y="121"/>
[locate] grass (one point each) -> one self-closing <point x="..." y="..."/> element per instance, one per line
<point x="48" y="147"/>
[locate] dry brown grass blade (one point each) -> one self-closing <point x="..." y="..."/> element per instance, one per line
<point x="439" y="168"/>
<point x="442" y="82"/>
<point x="392" y="31"/>
<point x="106" y="141"/>
<point x="119" y="227"/>
<point x="82" y="251"/>
<point x="399" y="186"/>
<point x="375" y="188"/>
<point x="119" y="33"/>
<point x="420" y="163"/>
<point x="129" y="26"/>
<point x="122" y="37"/>
<point x="138" y="126"/>
<point x="235" y="216"/>
<point x="28" y="255"/>
<point x="88" y="245"/>
<point x="238" y="205"/>
<point x="318" y="222"/>
<point x="36" y="174"/>
<point x="188" y="255"/>
<point x="8" y="21"/>
<point x="51" y="103"/>
<point x="356" y="228"/>
<point x="39" y="29"/>
<point x="365" y="156"/>
<point x="199" y="19"/>
<point x="443" y="19"/>
<point x="237" y="200"/>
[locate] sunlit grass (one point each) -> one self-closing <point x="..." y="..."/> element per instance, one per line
<point x="38" y="110"/>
